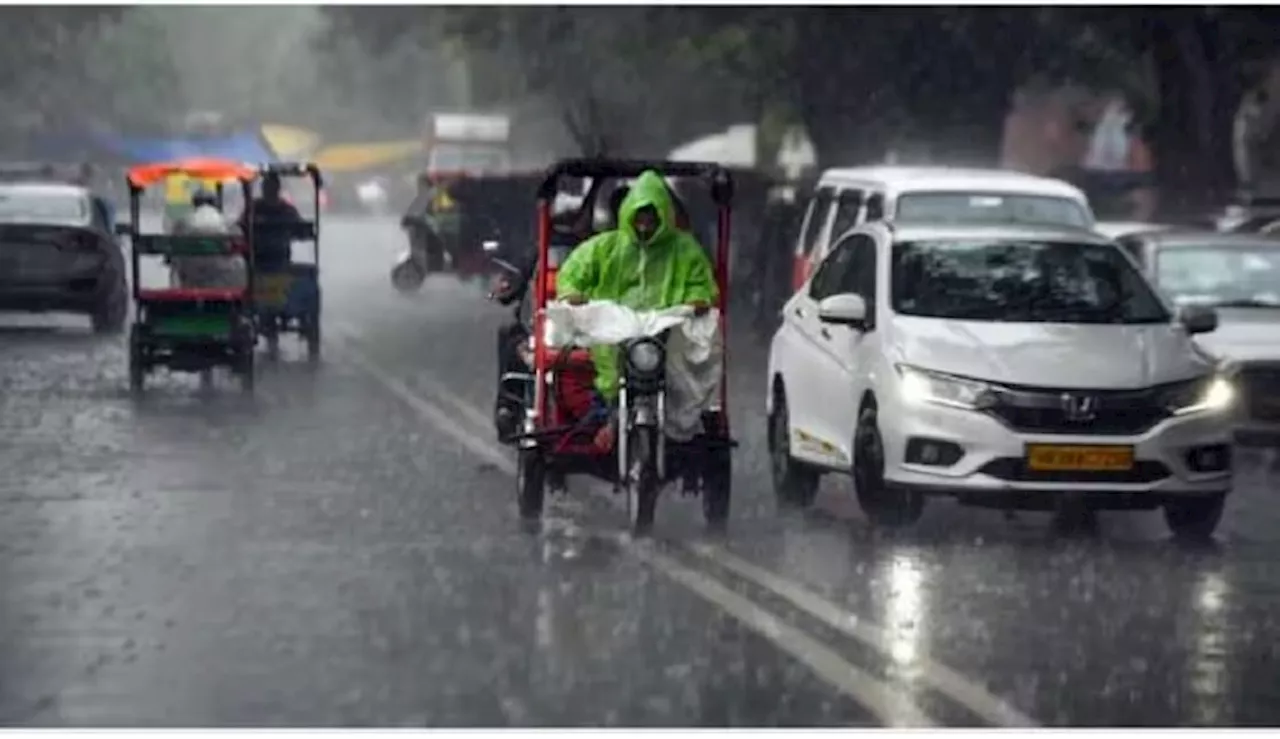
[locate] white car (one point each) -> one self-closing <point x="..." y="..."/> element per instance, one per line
<point x="1005" y="366"/>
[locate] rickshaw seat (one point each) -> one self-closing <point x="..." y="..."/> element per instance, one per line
<point x="192" y="294"/>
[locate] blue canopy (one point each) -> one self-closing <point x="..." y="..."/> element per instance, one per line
<point x="245" y="147"/>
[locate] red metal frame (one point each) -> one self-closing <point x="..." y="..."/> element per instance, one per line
<point x="543" y="356"/>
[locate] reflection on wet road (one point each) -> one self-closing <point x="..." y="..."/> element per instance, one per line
<point x="342" y="549"/>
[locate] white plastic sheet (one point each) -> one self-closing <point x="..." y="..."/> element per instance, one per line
<point x="695" y="353"/>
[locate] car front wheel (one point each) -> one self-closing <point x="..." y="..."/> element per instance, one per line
<point x="1195" y="518"/>
<point x="794" y="483"/>
<point x="883" y="504"/>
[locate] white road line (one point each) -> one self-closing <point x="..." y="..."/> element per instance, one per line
<point x="963" y="690"/>
<point x="890" y="705"/>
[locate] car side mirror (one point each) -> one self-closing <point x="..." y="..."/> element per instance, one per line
<point x="1199" y="319"/>
<point x="846" y="309"/>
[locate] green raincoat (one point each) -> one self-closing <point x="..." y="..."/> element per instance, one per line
<point x="672" y="269"/>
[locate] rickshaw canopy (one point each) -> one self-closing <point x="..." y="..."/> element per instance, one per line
<point x="217" y="170"/>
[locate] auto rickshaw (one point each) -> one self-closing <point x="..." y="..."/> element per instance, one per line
<point x="644" y="460"/>
<point x="190" y="329"/>
<point x="288" y="300"/>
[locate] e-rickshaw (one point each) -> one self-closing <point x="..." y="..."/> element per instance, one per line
<point x="191" y="329"/>
<point x="643" y="460"/>
<point x="288" y="299"/>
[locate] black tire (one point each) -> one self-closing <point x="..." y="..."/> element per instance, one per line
<point x="642" y="491"/>
<point x="137" y="363"/>
<point x="717" y="489"/>
<point x="795" y="484"/>
<point x="110" y="316"/>
<point x="313" y="340"/>
<point x="883" y="505"/>
<point x="531" y="484"/>
<point x="1195" y="518"/>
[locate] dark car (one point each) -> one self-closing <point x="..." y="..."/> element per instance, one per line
<point x="59" y="252"/>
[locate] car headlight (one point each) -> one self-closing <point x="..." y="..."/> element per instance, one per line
<point x="645" y="357"/>
<point x="922" y="386"/>
<point x="1202" y="395"/>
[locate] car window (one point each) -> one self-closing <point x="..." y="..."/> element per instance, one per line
<point x="859" y="277"/>
<point x="875" y="207"/>
<point x="830" y="275"/>
<point x="1134" y="249"/>
<point x="1241" y="275"/>
<point x="1024" y="281"/>
<point x="960" y="207"/>
<point x="51" y="208"/>
<point x="818" y="213"/>
<point x="848" y="207"/>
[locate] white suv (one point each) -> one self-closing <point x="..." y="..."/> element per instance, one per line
<point x="1005" y="366"/>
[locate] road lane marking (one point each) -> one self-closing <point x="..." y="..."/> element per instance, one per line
<point x="963" y="690"/>
<point x="948" y="682"/>
<point x="892" y="707"/>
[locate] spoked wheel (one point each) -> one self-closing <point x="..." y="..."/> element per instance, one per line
<point x="641" y="483"/>
<point x="531" y="484"/>
<point x="1195" y="519"/>
<point x="884" y="505"/>
<point x="717" y="489"/>
<point x="795" y="484"/>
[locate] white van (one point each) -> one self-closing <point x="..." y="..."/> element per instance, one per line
<point x="845" y="198"/>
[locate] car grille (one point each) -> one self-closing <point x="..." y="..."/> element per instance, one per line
<point x="1014" y="469"/>
<point x="1260" y="388"/>
<point x="1042" y="411"/>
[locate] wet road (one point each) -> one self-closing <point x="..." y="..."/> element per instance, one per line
<point x="342" y="549"/>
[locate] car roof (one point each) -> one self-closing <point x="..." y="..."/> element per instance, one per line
<point x="1012" y="232"/>
<point x="44" y="188"/>
<point x="898" y="179"/>
<point x="1189" y="237"/>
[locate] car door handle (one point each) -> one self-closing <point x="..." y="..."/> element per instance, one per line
<point x="799" y="312"/>
<point x="825" y="334"/>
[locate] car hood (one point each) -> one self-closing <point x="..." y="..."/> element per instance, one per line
<point x="1244" y="335"/>
<point x="1049" y="355"/>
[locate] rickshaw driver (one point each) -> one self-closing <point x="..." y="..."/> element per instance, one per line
<point x="272" y="215"/>
<point x="645" y="263"/>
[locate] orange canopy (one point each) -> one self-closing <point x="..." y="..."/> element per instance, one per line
<point x="219" y="170"/>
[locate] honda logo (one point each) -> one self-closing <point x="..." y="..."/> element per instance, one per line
<point x="1079" y="408"/>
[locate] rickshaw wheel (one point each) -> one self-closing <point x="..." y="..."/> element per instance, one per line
<point x="642" y="488"/>
<point x="137" y="371"/>
<point x="531" y="483"/>
<point x="313" y="340"/>
<point x="717" y="488"/>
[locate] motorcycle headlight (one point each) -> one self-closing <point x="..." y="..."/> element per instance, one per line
<point x="1201" y="395"/>
<point x="922" y="386"/>
<point x="645" y="357"/>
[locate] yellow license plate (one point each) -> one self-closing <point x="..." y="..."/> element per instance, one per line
<point x="1055" y="458"/>
<point x="272" y="290"/>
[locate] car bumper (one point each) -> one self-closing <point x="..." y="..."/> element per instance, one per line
<point x="992" y="462"/>
<point x="76" y="293"/>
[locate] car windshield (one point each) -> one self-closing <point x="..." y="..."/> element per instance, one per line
<point x="957" y="207"/>
<point x="1022" y="281"/>
<point x="17" y="206"/>
<point x="1225" y="276"/>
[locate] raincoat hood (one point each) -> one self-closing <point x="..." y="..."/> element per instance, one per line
<point x="648" y="189"/>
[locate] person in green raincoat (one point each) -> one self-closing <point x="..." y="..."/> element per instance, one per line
<point x="646" y="263"/>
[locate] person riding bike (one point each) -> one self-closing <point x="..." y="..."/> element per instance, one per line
<point x="646" y="263"/>
<point x="206" y="270"/>
<point x="273" y="221"/>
